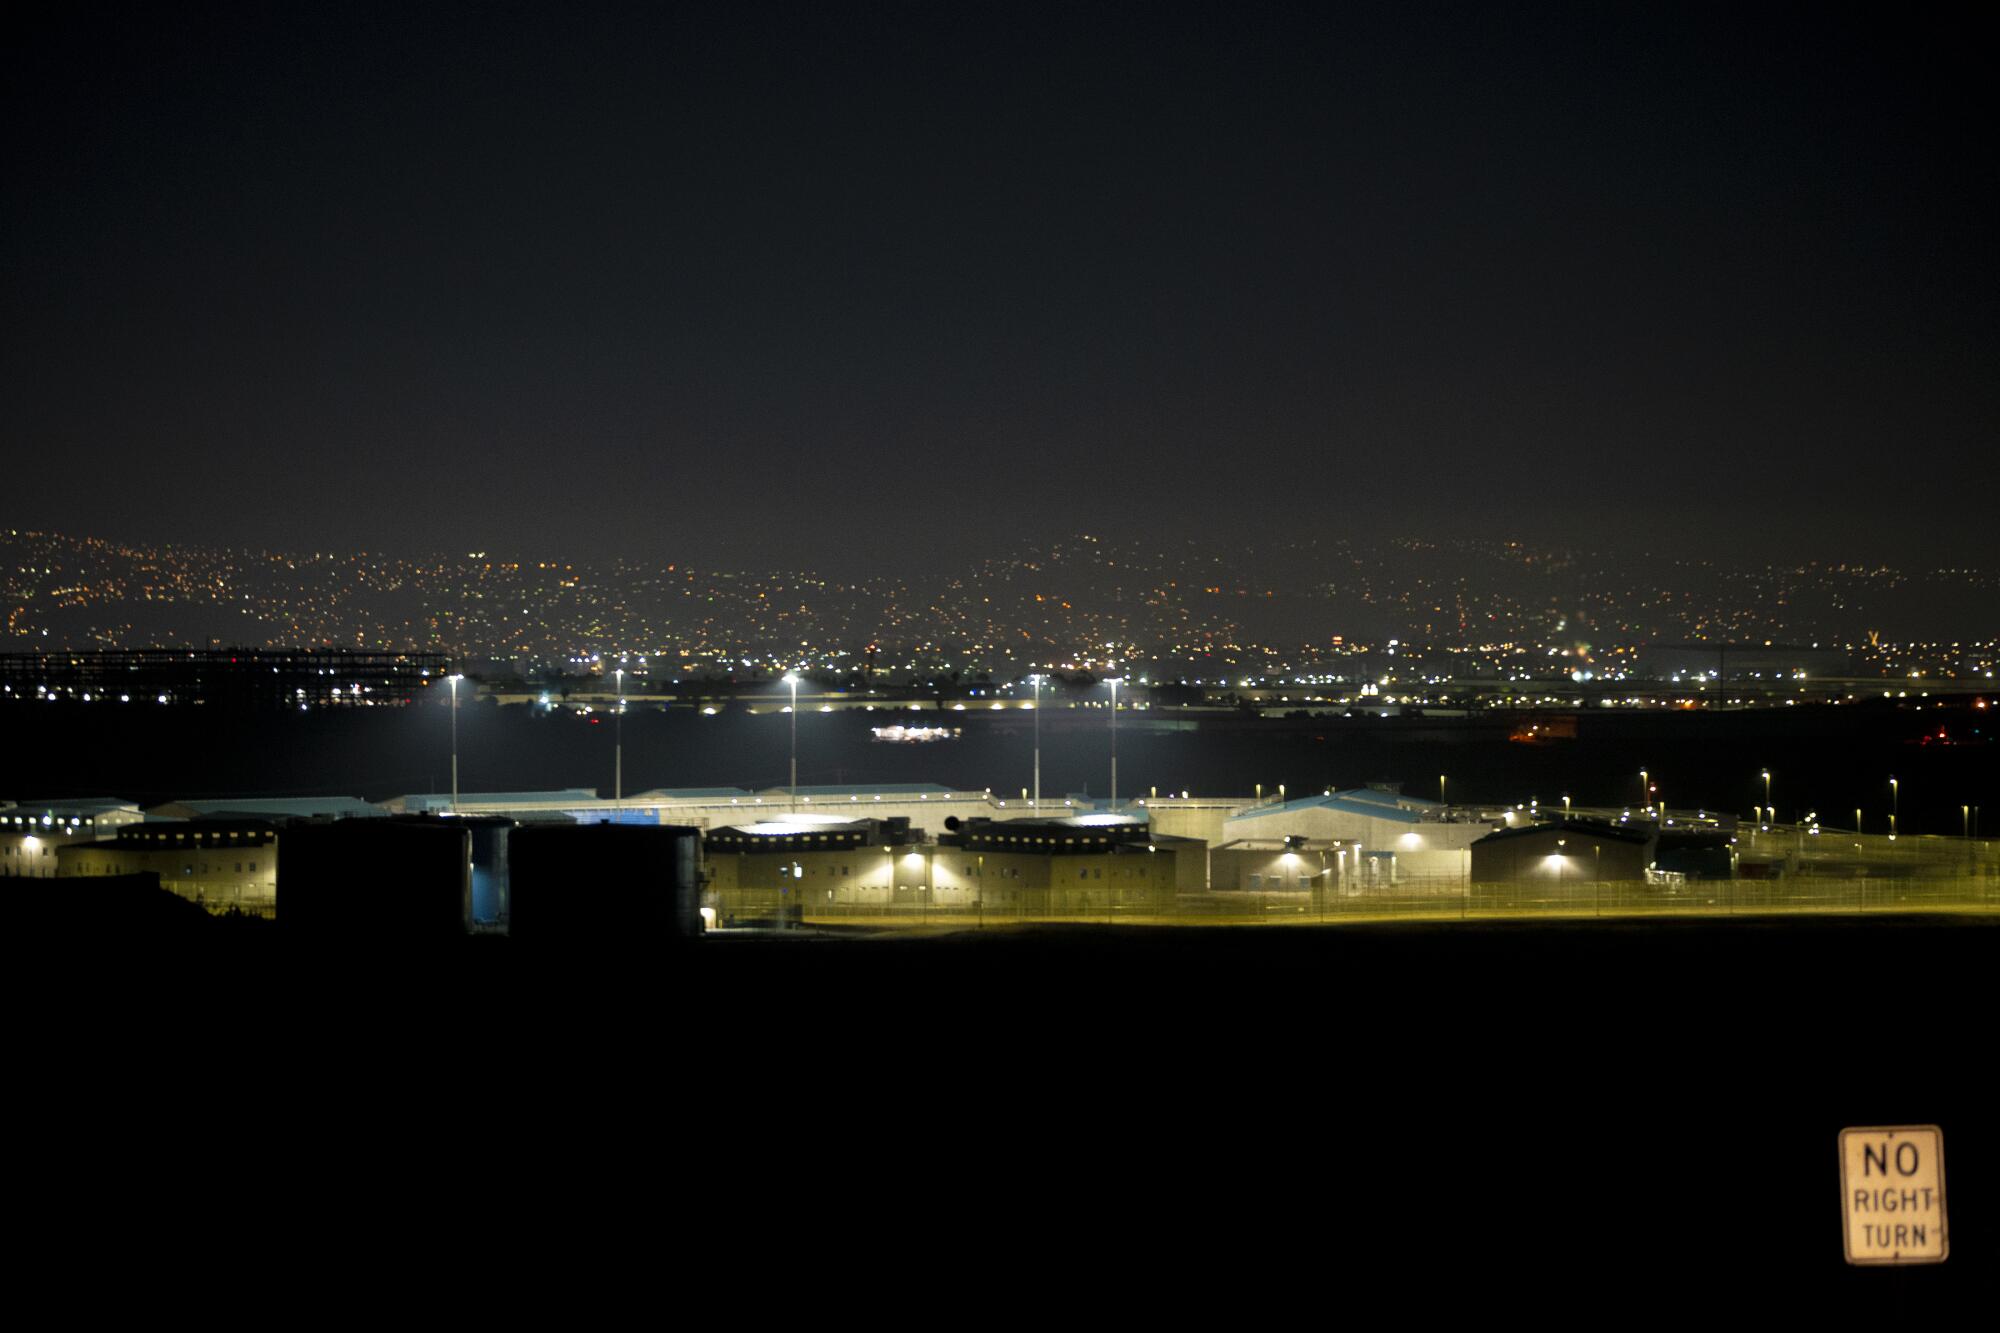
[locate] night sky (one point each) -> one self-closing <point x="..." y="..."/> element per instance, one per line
<point x="867" y="285"/>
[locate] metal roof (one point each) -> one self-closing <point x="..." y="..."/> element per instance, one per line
<point x="299" y="806"/>
<point x="86" y="805"/>
<point x="1341" y="802"/>
<point x="442" y="800"/>
<point x="868" y="789"/>
<point x="1572" y="829"/>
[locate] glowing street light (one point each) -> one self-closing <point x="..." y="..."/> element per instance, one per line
<point x="618" y="745"/>
<point x="792" y="679"/>
<point x="1767" y="793"/>
<point x="1037" y="679"/>
<point x="453" y="680"/>
<point x="1114" y="742"/>
<point x="1895" y="805"/>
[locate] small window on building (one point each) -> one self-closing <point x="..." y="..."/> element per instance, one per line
<point x="1256" y="881"/>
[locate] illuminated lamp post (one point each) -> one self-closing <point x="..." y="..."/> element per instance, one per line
<point x="1037" y="679"/>
<point x="618" y="743"/>
<point x="453" y="680"/>
<point x="1895" y="805"/>
<point x="1773" y="815"/>
<point x="1114" y="742"/>
<point x="792" y="679"/>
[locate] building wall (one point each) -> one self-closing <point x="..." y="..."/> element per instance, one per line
<point x="219" y="870"/>
<point x="1198" y="817"/>
<point x="33" y="855"/>
<point x="1541" y="859"/>
<point x="1426" y="850"/>
<point x="1278" y="871"/>
<point x="31" y="836"/>
<point x="896" y="880"/>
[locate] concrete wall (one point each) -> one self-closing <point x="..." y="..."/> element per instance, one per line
<point x="947" y="879"/>
<point x="1539" y="858"/>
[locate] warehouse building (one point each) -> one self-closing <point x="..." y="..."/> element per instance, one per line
<point x="1395" y="838"/>
<point x="796" y="867"/>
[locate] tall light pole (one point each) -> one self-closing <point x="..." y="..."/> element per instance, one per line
<point x="1441" y="789"/>
<point x="618" y="745"/>
<point x="1895" y="805"/>
<point x="792" y="679"/>
<point x="1114" y="742"/>
<point x="454" y="679"/>
<point x="1037" y="679"/>
<point x="1767" y="795"/>
<point x="1645" y="789"/>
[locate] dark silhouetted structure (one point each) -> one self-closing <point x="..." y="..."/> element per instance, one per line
<point x="604" y="884"/>
<point x="376" y="880"/>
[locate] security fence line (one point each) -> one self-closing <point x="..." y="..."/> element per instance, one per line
<point x="1962" y="894"/>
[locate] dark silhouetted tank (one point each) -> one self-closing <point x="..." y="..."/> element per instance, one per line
<point x="380" y="880"/>
<point x="604" y="884"/>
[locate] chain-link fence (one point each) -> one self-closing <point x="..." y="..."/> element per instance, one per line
<point x="1428" y="901"/>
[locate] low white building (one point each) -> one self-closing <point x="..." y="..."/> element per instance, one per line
<point x="1396" y="838"/>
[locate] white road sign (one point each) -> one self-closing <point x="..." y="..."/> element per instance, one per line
<point x="1892" y="1192"/>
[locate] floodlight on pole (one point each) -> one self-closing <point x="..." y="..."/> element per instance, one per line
<point x="618" y="743"/>
<point x="792" y="679"/>
<point x="1037" y="679"/>
<point x="1114" y="742"/>
<point x="453" y="680"/>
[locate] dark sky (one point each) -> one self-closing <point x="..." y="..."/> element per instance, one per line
<point x="851" y="284"/>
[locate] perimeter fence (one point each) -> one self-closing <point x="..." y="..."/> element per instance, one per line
<point x="1804" y="896"/>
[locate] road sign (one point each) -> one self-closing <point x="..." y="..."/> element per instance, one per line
<point x="1892" y="1194"/>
